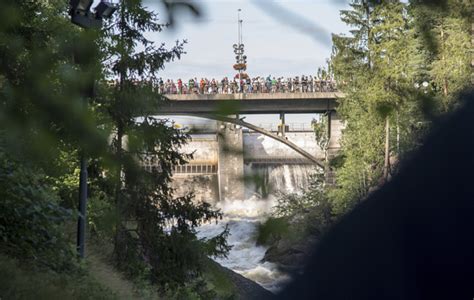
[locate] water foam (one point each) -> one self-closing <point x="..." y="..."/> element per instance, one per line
<point x="243" y="218"/>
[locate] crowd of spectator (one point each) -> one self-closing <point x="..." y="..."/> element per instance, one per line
<point x="303" y="84"/>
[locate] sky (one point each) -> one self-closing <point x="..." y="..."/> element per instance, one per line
<point x="282" y="38"/>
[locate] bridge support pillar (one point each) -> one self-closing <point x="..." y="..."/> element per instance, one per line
<point x="282" y="127"/>
<point x="231" y="162"/>
<point x="335" y="133"/>
<point x="336" y="126"/>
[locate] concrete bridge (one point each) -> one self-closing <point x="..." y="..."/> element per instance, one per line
<point x="261" y="103"/>
<point x="226" y="108"/>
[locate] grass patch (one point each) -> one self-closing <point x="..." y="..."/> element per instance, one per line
<point x="21" y="282"/>
<point x="101" y="266"/>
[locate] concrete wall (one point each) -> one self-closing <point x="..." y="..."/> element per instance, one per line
<point x="258" y="146"/>
<point x="231" y="163"/>
<point x="205" y="187"/>
<point x="205" y="149"/>
<point x="230" y="147"/>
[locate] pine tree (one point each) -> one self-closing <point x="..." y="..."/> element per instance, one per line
<point x="375" y="67"/>
<point x="155" y="231"/>
<point x="392" y="49"/>
<point x="353" y="69"/>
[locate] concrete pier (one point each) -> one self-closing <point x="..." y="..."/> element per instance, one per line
<point x="336" y="126"/>
<point x="231" y="162"/>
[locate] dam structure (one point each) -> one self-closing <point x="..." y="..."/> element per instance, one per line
<point x="233" y="159"/>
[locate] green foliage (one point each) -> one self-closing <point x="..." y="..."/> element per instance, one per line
<point x="392" y="49"/>
<point x="19" y="282"/>
<point x="449" y="30"/>
<point x="320" y="128"/>
<point x="47" y="65"/>
<point x="214" y="283"/>
<point x="102" y="216"/>
<point x="40" y="94"/>
<point x="218" y="281"/>
<point x="298" y="215"/>
<point x="31" y="219"/>
<point x="155" y="234"/>
<point x="47" y="68"/>
<point x="272" y="230"/>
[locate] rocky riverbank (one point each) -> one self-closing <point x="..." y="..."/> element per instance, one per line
<point x="291" y="255"/>
<point x="241" y="287"/>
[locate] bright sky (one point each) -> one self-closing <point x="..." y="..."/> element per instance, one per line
<point x="282" y="38"/>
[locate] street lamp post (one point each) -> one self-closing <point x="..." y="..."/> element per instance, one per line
<point x="81" y="15"/>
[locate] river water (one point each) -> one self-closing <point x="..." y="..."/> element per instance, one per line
<point x="243" y="218"/>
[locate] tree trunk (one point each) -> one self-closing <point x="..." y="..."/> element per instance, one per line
<point x="398" y="135"/>
<point x="369" y="48"/>
<point x="118" y="190"/>
<point x="386" y="169"/>
<point x="443" y="59"/>
<point x="119" y="152"/>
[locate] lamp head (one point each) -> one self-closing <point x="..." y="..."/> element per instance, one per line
<point x="81" y="5"/>
<point x="105" y="10"/>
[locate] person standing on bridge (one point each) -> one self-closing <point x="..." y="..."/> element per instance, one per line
<point x="180" y="86"/>
<point x="202" y="84"/>
<point x="161" y="86"/>
<point x="268" y="84"/>
<point x="196" y="85"/>
<point x="296" y="84"/>
<point x="304" y="84"/>
<point x="190" y="86"/>
<point x="273" y="85"/>
<point x="174" y="89"/>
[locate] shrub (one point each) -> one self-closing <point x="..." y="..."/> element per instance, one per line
<point x="272" y="230"/>
<point x="31" y="220"/>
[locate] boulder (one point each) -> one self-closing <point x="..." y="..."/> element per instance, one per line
<point x="291" y="256"/>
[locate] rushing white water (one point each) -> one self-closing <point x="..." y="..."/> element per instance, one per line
<point x="280" y="178"/>
<point x="243" y="218"/>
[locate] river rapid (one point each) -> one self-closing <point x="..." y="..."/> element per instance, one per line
<point x="243" y="218"/>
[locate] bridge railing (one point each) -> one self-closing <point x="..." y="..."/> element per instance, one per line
<point x="275" y="160"/>
<point x="290" y="127"/>
<point x="232" y="87"/>
<point x="272" y="127"/>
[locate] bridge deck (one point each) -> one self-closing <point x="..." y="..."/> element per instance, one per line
<point x="264" y="103"/>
